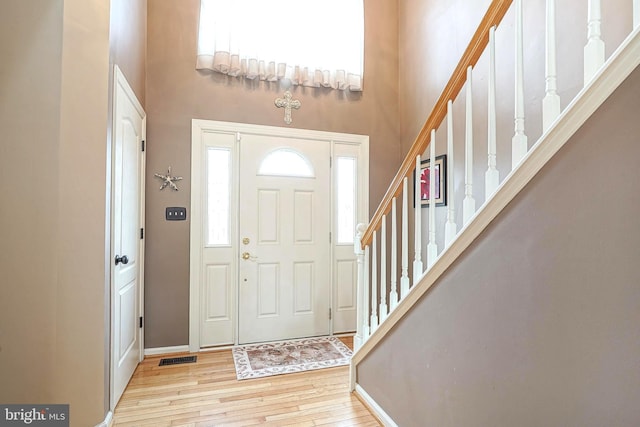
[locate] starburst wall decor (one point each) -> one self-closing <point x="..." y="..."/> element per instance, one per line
<point x="168" y="180"/>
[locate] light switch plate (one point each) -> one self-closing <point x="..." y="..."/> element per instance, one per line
<point x="176" y="214"/>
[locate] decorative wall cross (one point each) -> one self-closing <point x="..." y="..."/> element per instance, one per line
<point x="288" y="103"/>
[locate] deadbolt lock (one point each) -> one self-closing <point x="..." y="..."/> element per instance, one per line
<point x="246" y="241"/>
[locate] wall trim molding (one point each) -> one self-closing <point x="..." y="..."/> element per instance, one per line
<point x="166" y="350"/>
<point x="108" y="420"/>
<point x="373" y="406"/>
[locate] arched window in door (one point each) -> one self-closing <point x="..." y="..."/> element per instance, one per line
<point x="286" y="162"/>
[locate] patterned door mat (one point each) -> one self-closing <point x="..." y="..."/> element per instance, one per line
<point x="263" y="360"/>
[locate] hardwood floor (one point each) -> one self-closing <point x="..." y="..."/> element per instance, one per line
<point x="206" y="393"/>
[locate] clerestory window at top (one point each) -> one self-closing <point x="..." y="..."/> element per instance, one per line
<point x="308" y="43"/>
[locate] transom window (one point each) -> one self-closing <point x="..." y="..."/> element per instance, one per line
<point x="306" y="42"/>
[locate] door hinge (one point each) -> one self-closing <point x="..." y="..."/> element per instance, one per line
<point x="142" y="233"/>
<point x="141" y="321"/>
<point x="329" y="237"/>
<point x="143" y="145"/>
<point x="330" y="161"/>
<point x="329" y="314"/>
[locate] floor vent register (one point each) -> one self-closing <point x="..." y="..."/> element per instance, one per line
<point x="178" y="360"/>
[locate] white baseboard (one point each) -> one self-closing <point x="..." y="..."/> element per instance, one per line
<point x="108" y="420"/>
<point x="374" y="407"/>
<point x="166" y="350"/>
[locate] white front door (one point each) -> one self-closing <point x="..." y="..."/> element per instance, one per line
<point x="284" y="231"/>
<point x="126" y="244"/>
<point x="271" y="195"/>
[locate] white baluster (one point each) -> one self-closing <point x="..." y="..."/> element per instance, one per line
<point x="404" y="279"/>
<point x="374" y="283"/>
<point x="366" y="330"/>
<point x="594" y="50"/>
<point x="492" y="176"/>
<point x="393" y="295"/>
<point x="551" y="101"/>
<point x="432" y="247"/>
<point x="636" y="13"/>
<point x="417" y="261"/>
<point x="469" y="203"/>
<point x="383" y="270"/>
<point x="358" y="340"/>
<point x="519" y="140"/>
<point x="450" y="228"/>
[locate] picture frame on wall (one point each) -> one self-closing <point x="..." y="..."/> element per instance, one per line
<point x="441" y="182"/>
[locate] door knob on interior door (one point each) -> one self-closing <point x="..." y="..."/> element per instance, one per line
<point x="247" y="256"/>
<point x="122" y="259"/>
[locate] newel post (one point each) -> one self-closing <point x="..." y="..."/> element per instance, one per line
<point x="361" y="312"/>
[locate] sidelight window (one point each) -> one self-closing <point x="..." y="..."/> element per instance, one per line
<point x="218" y="196"/>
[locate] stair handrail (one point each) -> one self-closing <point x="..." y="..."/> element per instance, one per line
<point x="470" y="57"/>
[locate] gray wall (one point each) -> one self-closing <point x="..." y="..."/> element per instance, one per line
<point x="536" y="324"/>
<point x="128" y="42"/>
<point x="54" y="82"/>
<point x="177" y="93"/>
<point x="432" y="37"/>
<point x="54" y="133"/>
<point x="29" y="134"/>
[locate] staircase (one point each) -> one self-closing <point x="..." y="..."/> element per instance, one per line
<point x="392" y="294"/>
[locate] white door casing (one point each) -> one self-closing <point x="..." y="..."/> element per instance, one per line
<point x="285" y="218"/>
<point x="216" y="265"/>
<point x="127" y="249"/>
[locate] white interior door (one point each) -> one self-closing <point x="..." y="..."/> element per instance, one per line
<point x="284" y="231"/>
<point x="126" y="245"/>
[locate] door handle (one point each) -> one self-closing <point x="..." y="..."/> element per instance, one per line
<point x="247" y="256"/>
<point x="122" y="259"/>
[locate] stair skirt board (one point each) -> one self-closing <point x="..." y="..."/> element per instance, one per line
<point x="616" y="69"/>
<point x="373" y="406"/>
